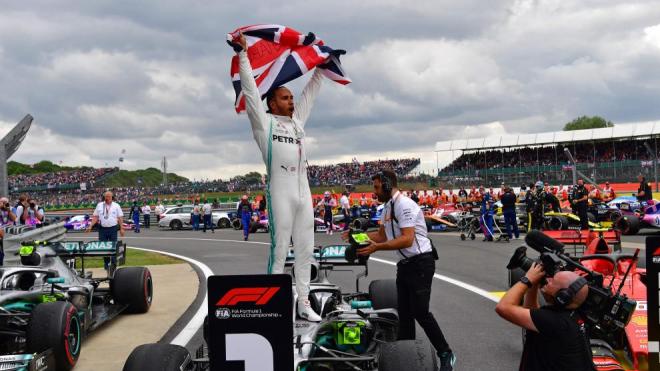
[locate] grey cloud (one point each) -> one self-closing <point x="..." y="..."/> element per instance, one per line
<point x="154" y="75"/>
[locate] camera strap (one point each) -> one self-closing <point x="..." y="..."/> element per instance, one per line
<point x="392" y="226"/>
<point x="419" y="247"/>
<point x="588" y="357"/>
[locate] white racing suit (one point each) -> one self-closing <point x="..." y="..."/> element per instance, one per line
<point x="281" y="141"/>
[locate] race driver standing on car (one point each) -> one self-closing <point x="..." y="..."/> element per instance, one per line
<point x="403" y="231"/>
<point x="280" y="136"/>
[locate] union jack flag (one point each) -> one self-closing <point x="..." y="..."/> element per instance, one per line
<point x="279" y="54"/>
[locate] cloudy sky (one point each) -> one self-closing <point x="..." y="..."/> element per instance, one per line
<point x="152" y="77"/>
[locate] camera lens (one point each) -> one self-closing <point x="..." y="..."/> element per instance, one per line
<point x="520" y="260"/>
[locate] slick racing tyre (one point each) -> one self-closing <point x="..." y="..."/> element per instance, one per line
<point x="383" y="294"/>
<point x="133" y="286"/>
<point x="614" y="216"/>
<point x="628" y="224"/>
<point x="407" y="355"/>
<point x="557" y="223"/>
<point x="56" y="326"/>
<point x="158" y="357"/>
<point x="592" y="218"/>
<point x="237" y="224"/>
<point x="361" y="224"/>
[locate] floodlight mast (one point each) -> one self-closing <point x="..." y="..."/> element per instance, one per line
<point x="654" y="156"/>
<point x="576" y="172"/>
<point x="8" y="146"/>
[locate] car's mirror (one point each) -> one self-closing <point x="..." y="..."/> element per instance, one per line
<point x="55" y="280"/>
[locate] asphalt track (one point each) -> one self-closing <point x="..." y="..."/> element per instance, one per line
<point x="469" y="276"/>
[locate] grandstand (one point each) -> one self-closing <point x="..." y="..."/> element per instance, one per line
<point x="84" y="178"/>
<point x="615" y="154"/>
<point x="82" y="187"/>
<point x="356" y="172"/>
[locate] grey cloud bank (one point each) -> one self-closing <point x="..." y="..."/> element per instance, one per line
<point x="153" y="77"/>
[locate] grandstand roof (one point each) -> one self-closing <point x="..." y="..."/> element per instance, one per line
<point x="626" y="131"/>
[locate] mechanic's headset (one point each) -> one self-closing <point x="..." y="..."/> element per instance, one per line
<point x="565" y="296"/>
<point x="386" y="183"/>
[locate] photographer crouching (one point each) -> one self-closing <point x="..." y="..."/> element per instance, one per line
<point x="403" y="231"/>
<point x="556" y="338"/>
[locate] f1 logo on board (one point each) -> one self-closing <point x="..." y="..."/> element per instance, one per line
<point x="250" y="322"/>
<point x="256" y="295"/>
<point x="656" y="256"/>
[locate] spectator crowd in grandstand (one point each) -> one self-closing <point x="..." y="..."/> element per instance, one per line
<point x="53" y="180"/>
<point x="544" y="156"/>
<point x="55" y="191"/>
<point x="357" y="173"/>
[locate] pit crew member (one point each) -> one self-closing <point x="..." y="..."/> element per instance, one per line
<point x="580" y="199"/>
<point x="326" y="205"/>
<point x="134" y="215"/>
<point x="403" y="231"/>
<point x="345" y="209"/>
<point x="487" y="214"/>
<point x="244" y="212"/>
<point x="109" y="214"/>
<point x="644" y="192"/>
<point x="509" y="211"/>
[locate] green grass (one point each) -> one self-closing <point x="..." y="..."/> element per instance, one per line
<point x="134" y="258"/>
<point x="45" y="166"/>
<point x="150" y="177"/>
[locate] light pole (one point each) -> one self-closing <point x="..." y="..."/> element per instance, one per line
<point x="8" y="145"/>
<point x="572" y="160"/>
<point x="654" y="156"/>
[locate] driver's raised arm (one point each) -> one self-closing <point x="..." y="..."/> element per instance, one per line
<point x="253" y="105"/>
<point x="303" y="106"/>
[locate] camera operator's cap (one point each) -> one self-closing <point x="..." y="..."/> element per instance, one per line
<point x="244" y="197"/>
<point x="326" y="193"/>
<point x="539" y="184"/>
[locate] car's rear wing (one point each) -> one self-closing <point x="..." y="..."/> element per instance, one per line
<point x="91" y="248"/>
<point x="328" y="255"/>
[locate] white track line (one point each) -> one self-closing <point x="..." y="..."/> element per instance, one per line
<point x="196" y="322"/>
<point x="452" y="281"/>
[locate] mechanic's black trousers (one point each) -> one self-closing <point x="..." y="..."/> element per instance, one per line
<point x="413" y="283"/>
<point x="347" y="218"/>
<point x="582" y="214"/>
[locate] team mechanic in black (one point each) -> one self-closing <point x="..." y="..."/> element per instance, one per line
<point x="644" y="192"/>
<point x="403" y="230"/>
<point x="556" y="339"/>
<point x="580" y="199"/>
